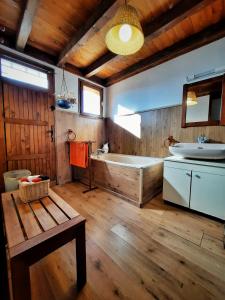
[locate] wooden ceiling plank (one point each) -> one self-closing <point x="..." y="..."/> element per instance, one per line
<point x="88" y="29"/>
<point x="155" y="28"/>
<point x="197" y="40"/>
<point x="26" y="23"/>
<point x="174" y="16"/>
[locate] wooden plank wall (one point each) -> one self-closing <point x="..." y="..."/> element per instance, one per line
<point x="85" y="129"/>
<point x="156" y="126"/>
<point x="3" y="165"/>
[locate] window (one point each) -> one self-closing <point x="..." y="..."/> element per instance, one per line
<point x="22" y="73"/>
<point x="90" y="99"/>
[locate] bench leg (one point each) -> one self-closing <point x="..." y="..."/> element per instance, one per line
<point x="81" y="257"/>
<point x="20" y="279"/>
<point x="4" y="285"/>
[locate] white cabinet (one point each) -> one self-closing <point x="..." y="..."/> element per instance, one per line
<point x="176" y="186"/>
<point x="195" y="184"/>
<point x="208" y="194"/>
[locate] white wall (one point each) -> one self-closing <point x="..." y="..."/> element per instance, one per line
<point x="162" y="86"/>
<point x="71" y="79"/>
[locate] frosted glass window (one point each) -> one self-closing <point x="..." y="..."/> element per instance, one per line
<point x="15" y="71"/>
<point x="91" y="100"/>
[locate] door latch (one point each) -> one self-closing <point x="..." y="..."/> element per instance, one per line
<point x="52" y="133"/>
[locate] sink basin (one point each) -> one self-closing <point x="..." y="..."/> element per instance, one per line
<point x="198" y="151"/>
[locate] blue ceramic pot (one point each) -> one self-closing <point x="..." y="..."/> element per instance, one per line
<point x="63" y="103"/>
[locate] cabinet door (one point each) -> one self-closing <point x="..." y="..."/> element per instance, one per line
<point x="208" y="194"/>
<point x="176" y="186"/>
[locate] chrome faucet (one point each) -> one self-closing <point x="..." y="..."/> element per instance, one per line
<point x="202" y="139"/>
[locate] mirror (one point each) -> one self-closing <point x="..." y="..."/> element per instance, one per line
<point x="204" y="103"/>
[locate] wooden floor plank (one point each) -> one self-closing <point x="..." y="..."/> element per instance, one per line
<point x="176" y="222"/>
<point x="60" y="272"/>
<point x="201" y="257"/>
<point x="114" y="284"/>
<point x="213" y="245"/>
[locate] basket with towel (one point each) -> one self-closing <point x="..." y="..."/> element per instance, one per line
<point x="33" y="188"/>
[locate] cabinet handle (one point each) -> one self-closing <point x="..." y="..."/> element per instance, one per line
<point x="188" y="174"/>
<point x="197" y="176"/>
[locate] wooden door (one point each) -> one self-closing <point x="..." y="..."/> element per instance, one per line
<point x="29" y="130"/>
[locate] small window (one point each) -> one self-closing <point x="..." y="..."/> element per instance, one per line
<point x="90" y="99"/>
<point x="22" y="73"/>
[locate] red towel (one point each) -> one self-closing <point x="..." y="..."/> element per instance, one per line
<point x="79" y="154"/>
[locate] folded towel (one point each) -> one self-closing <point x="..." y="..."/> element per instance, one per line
<point x="79" y="154"/>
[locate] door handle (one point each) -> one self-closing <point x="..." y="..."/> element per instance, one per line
<point x="197" y="176"/>
<point x="52" y="133"/>
<point x="188" y="174"/>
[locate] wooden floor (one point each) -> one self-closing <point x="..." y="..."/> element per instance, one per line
<point x="158" y="252"/>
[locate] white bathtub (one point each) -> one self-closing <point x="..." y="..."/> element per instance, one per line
<point x="128" y="160"/>
<point x="135" y="178"/>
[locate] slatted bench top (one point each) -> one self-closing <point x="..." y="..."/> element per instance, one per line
<point x="32" y="223"/>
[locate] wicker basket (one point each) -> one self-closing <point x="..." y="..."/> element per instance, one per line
<point x="33" y="191"/>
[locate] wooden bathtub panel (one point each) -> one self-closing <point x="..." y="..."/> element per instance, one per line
<point x="120" y="179"/>
<point x="152" y="181"/>
<point x="125" y="181"/>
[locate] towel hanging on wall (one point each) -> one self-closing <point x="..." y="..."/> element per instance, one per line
<point x="79" y="154"/>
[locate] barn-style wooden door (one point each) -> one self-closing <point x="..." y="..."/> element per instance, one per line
<point x="29" y="130"/>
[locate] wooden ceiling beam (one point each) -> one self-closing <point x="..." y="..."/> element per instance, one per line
<point x="88" y="29"/>
<point x="197" y="40"/>
<point x="26" y="23"/>
<point x="154" y="28"/>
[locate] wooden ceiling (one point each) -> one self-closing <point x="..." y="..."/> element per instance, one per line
<point x="71" y="33"/>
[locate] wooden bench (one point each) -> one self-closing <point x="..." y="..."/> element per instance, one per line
<point x="36" y="229"/>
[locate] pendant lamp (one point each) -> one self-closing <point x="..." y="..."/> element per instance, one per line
<point x="191" y="98"/>
<point x="125" y="35"/>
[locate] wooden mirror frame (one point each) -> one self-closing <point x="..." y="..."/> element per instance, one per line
<point x="205" y="82"/>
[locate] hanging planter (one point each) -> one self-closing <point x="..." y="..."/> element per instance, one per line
<point x="65" y="98"/>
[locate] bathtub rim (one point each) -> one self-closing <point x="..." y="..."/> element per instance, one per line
<point x="159" y="160"/>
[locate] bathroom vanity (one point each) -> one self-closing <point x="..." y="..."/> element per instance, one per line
<point x="195" y="184"/>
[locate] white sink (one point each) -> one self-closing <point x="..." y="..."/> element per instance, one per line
<point x="198" y="151"/>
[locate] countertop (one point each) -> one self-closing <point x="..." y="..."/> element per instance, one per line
<point x="212" y="163"/>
